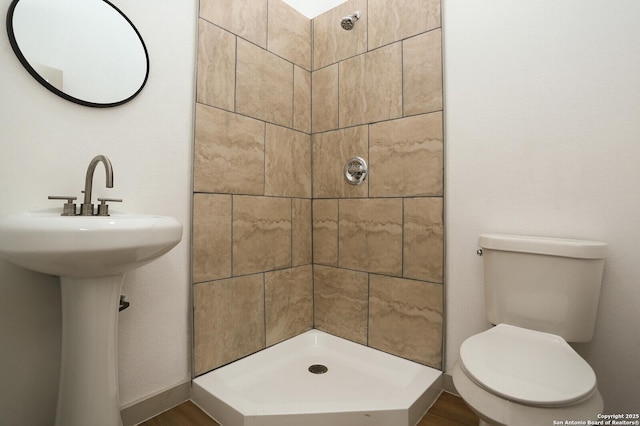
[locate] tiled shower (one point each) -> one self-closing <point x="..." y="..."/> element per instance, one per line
<point x="281" y="242"/>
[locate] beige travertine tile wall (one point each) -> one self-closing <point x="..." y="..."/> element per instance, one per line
<point x="288" y="302"/>
<point x="341" y="295"/>
<point x="370" y="86"/>
<point x="390" y="21"/>
<point x="252" y="230"/>
<point x="229" y="320"/>
<point x="377" y="94"/>
<point x="244" y="18"/>
<point x="405" y="318"/>
<point x="281" y="243"/>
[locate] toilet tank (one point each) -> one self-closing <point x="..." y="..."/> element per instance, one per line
<point x="544" y="284"/>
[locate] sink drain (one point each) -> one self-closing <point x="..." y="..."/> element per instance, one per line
<point x="318" y="369"/>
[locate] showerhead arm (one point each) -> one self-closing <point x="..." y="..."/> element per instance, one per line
<point x="349" y="21"/>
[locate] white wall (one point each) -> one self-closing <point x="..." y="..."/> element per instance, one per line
<point x="543" y="138"/>
<point x="46" y="144"/>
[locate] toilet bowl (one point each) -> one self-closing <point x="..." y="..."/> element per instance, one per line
<point x="514" y="376"/>
<point x="541" y="293"/>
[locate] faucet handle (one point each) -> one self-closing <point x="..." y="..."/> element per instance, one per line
<point x="103" y="207"/>
<point x="69" y="208"/>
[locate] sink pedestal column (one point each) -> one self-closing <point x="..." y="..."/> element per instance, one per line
<point x="88" y="391"/>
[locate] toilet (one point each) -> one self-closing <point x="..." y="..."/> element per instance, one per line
<point x="540" y="293"/>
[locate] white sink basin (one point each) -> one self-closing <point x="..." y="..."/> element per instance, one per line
<point x="85" y="246"/>
<point x="91" y="255"/>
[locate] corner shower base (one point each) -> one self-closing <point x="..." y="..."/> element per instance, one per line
<point x="274" y="387"/>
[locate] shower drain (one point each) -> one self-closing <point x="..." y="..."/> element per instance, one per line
<point x="318" y="369"/>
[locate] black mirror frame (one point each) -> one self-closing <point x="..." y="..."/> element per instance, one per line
<point x="38" y="77"/>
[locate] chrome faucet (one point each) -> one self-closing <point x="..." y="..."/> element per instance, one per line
<point x="86" y="209"/>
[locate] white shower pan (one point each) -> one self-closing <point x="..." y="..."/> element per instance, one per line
<point x="275" y="387"/>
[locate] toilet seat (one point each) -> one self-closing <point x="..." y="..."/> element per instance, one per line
<point x="528" y="367"/>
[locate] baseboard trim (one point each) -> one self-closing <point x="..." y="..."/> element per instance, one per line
<point x="448" y="385"/>
<point x="144" y="409"/>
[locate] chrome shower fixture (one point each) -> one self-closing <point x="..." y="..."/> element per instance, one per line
<point x="349" y="21"/>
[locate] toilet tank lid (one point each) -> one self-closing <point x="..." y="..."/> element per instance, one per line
<point x="580" y="249"/>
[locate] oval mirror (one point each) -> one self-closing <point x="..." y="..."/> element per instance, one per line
<point x="86" y="51"/>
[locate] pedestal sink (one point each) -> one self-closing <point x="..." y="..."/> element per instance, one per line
<point x="91" y="255"/>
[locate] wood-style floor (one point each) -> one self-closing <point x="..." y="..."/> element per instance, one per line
<point x="449" y="410"/>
